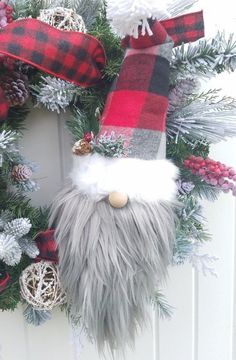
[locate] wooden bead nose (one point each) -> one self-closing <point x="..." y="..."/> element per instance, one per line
<point x="117" y="199"/>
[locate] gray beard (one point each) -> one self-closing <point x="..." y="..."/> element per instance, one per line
<point x="110" y="261"/>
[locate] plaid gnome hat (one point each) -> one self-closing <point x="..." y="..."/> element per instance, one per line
<point x="136" y="108"/>
<point x="115" y="225"/>
<point x="70" y="55"/>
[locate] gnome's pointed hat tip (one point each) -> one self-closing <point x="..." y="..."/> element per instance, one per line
<point x="126" y="16"/>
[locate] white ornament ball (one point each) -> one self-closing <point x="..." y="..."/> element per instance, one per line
<point x="40" y="286"/>
<point x="118" y="199"/>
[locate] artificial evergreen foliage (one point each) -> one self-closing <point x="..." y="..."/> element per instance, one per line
<point x="36" y="317"/>
<point x="54" y="94"/>
<point x="195" y="120"/>
<point x="17" y="227"/>
<point x="10" y="251"/>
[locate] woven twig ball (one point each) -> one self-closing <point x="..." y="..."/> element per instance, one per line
<point x="40" y="286"/>
<point x="63" y="19"/>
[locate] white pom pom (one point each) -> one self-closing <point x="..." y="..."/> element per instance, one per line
<point x="127" y="15"/>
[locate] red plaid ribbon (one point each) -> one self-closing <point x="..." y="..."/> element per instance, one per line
<point x="182" y="29"/>
<point x="47" y="246"/>
<point x="72" y="56"/>
<point x="185" y="28"/>
<point x="4" y="282"/>
<point x="4" y="105"/>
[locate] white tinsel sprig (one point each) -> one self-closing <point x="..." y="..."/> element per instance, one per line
<point x="29" y="247"/>
<point x="127" y="16"/>
<point x="7" y="138"/>
<point x="204" y="263"/>
<point x="10" y="251"/>
<point x="18" y="227"/>
<point x="110" y="145"/>
<point x="55" y="94"/>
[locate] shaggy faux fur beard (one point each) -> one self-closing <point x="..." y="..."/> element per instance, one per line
<point x="111" y="261"/>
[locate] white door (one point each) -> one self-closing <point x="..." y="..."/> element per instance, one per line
<point x="203" y="326"/>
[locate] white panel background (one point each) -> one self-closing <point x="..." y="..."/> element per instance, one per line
<point x="203" y="326"/>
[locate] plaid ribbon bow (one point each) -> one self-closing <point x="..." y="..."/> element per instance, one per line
<point x="72" y="56"/>
<point x="47" y="246"/>
<point x="4" y="281"/>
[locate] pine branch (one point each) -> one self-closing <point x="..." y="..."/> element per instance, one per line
<point x="183" y="249"/>
<point x="16" y="118"/>
<point x="54" y="94"/>
<point x="20" y="207"/>
<point x="178" y="7"/>
<point x="27" y="8"/>
<point x="191" y="223"/>
<point x="78" y="124"/>
<point x="206" y="57"/>
<point x="110" y="145"/>
<point x="36" y="317"/>
<point x="180" y="150"/>
<point x="88" y="9"/>
<point x="161" y="305"/>
<point x="204" y="117"/>
<point x="204" y="263"/>
<point x="201" y="189"/>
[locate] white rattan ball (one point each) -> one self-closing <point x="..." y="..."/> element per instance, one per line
<point x="63" y="19"/>
<point x="40" y="286"/>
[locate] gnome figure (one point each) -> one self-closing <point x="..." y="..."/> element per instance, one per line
<point x="115" y="223"/>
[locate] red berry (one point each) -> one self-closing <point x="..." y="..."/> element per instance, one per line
<point x="211" y="168"/>
<point x="88" y="137"/>
<point x="221" y="181"/>
<point x="199" y="159"/>
<point x="217" y="172"/>
<point x="202" y="172"/>
<point x="232" y="172"/>
<point x="225" y="190"/>
<point x="187" y="163"/>
<point x="213" y="182"/>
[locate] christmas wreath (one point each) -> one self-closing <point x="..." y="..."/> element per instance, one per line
<point x="195" y="120"/>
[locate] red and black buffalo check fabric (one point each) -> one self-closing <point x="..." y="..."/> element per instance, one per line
<point x="4" y="106"/>
<point x="182" y="29"/>
<point x="47" y="246"/>
<point x="4" y="282"/>
<point x="185" y="28"/>
<point x="137" y="105"/>
<point x="72" y="56"/>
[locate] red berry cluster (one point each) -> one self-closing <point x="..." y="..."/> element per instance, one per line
<point x="88" y="136"/>
<point x="6" y="13"/>
<point x="213" y="172"/>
